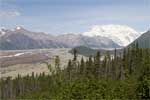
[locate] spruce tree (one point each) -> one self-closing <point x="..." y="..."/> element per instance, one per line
<point x="75" y="54"/>
<point x="82" y="66"/>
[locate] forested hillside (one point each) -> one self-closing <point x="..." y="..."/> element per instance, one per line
<point x="124" y="76"/>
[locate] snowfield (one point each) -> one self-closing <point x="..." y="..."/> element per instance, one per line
<point x="15" y="55"/>
<point x="120" y="34"/>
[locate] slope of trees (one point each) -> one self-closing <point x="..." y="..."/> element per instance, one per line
<point x="124" y="76"/>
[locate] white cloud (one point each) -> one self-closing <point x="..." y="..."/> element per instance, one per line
<point x="9" y="13"/>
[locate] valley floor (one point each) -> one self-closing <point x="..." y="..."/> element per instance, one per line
<point x="25" y="62"/>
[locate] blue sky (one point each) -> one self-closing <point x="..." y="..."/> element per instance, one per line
<point x="73" y="16"/>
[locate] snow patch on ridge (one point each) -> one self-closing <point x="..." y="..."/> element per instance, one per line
<point x="2" y="32"/>
<point x="18" y="28"/>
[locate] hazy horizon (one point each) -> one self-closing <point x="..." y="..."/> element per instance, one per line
<point x="73" y="16"/>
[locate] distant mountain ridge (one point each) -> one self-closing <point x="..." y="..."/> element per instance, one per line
<point x="73" y="40"/>
<point x="20" y="38"/>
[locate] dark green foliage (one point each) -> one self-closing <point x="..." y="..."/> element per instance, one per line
<point x="124" y="76"/>
<point x="75" y="54"/>
<point x="86" y="51"/>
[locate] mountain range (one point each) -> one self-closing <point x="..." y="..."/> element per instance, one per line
<point x="143" y="42"/>
<point x="20" y="38"/>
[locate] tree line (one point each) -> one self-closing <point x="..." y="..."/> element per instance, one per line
<point x="117" y="76"/>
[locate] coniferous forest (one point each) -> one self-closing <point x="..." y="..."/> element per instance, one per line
<point x="123" y="76"/>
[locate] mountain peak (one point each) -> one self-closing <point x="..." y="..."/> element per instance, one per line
<point x="19" y="28"/>
<point x="120" y="34"/>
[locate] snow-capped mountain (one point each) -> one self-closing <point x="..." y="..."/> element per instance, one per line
<point x="120" y="34"/>
<point x="74" y="40"/>
<point x="20" y="38"/>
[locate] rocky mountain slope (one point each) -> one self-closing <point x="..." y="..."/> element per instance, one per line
<point x="20" y="38"/>
<point x="143" y="41"/>
<point x="73" y="40"/>
<point x="24" y="39"/>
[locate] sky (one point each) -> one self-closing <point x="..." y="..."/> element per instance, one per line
<point x="73" y="16"/>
